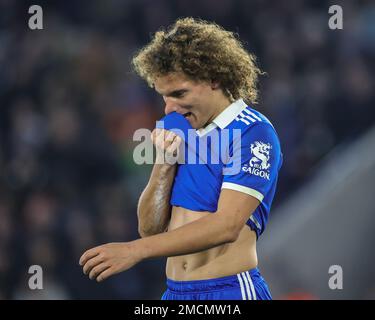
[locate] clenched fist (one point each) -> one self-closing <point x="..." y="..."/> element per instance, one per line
<point x="167" y="145"/>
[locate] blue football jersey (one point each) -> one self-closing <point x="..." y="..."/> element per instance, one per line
<point x="239" y="150"/>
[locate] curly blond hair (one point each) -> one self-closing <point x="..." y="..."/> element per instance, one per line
<point x="203" y="51"/>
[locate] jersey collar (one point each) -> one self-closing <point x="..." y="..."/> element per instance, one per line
<point x="224" y="118"/>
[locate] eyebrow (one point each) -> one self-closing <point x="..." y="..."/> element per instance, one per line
<point x="176" y="93"/>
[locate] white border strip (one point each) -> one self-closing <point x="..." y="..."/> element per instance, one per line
<point x="242" y="287"/>
<point x="251" y="285"/>
<point x="247" y="286"/>
<point x="253" y="114"/>
<point x="233" y="186"/>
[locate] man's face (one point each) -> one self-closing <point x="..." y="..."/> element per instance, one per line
<point x="196" y="101"/>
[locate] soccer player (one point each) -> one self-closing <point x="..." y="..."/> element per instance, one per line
<point x="205" y="218"/>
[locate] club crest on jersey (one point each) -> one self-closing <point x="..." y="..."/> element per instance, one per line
<point x="258" y="164"/>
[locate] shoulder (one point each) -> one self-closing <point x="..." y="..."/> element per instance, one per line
<point x="249" y="118"/>
<point x="253" y="123"/>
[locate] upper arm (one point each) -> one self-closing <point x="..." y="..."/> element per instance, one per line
<point x="258" y="157"/>
<point x="235" y="208"/>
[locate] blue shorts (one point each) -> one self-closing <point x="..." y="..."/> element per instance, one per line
<point x="248" y="285"/>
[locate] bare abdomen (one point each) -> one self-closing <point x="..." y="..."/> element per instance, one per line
<point x="220" y="261"/>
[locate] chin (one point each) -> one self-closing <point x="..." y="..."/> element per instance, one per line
<point x="194" y="125"/>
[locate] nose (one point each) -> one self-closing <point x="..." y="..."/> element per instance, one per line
<point x="170" y="105"/>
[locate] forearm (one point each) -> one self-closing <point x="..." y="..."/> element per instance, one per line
<point x="205" y="233"/>
<point x="154" y="208"/>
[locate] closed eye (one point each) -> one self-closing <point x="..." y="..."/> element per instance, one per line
<point x="178" y="93"/>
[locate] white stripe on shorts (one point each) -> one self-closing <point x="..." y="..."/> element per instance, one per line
<point x="247" y="286"/>
<point x="242" y="287"/>
<point x="251" y="285"/>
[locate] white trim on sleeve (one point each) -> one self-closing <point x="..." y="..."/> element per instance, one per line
<point x="233" y="186"/>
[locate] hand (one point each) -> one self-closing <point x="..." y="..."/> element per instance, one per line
<point x="167" y="145"/>
<point x="104" y="261"/>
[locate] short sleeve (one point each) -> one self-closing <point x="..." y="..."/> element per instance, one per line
<point x="258" y="156"/>
<point x="176" y="123"/>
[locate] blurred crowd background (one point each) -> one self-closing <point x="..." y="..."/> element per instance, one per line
<point x="69" y="105"/>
